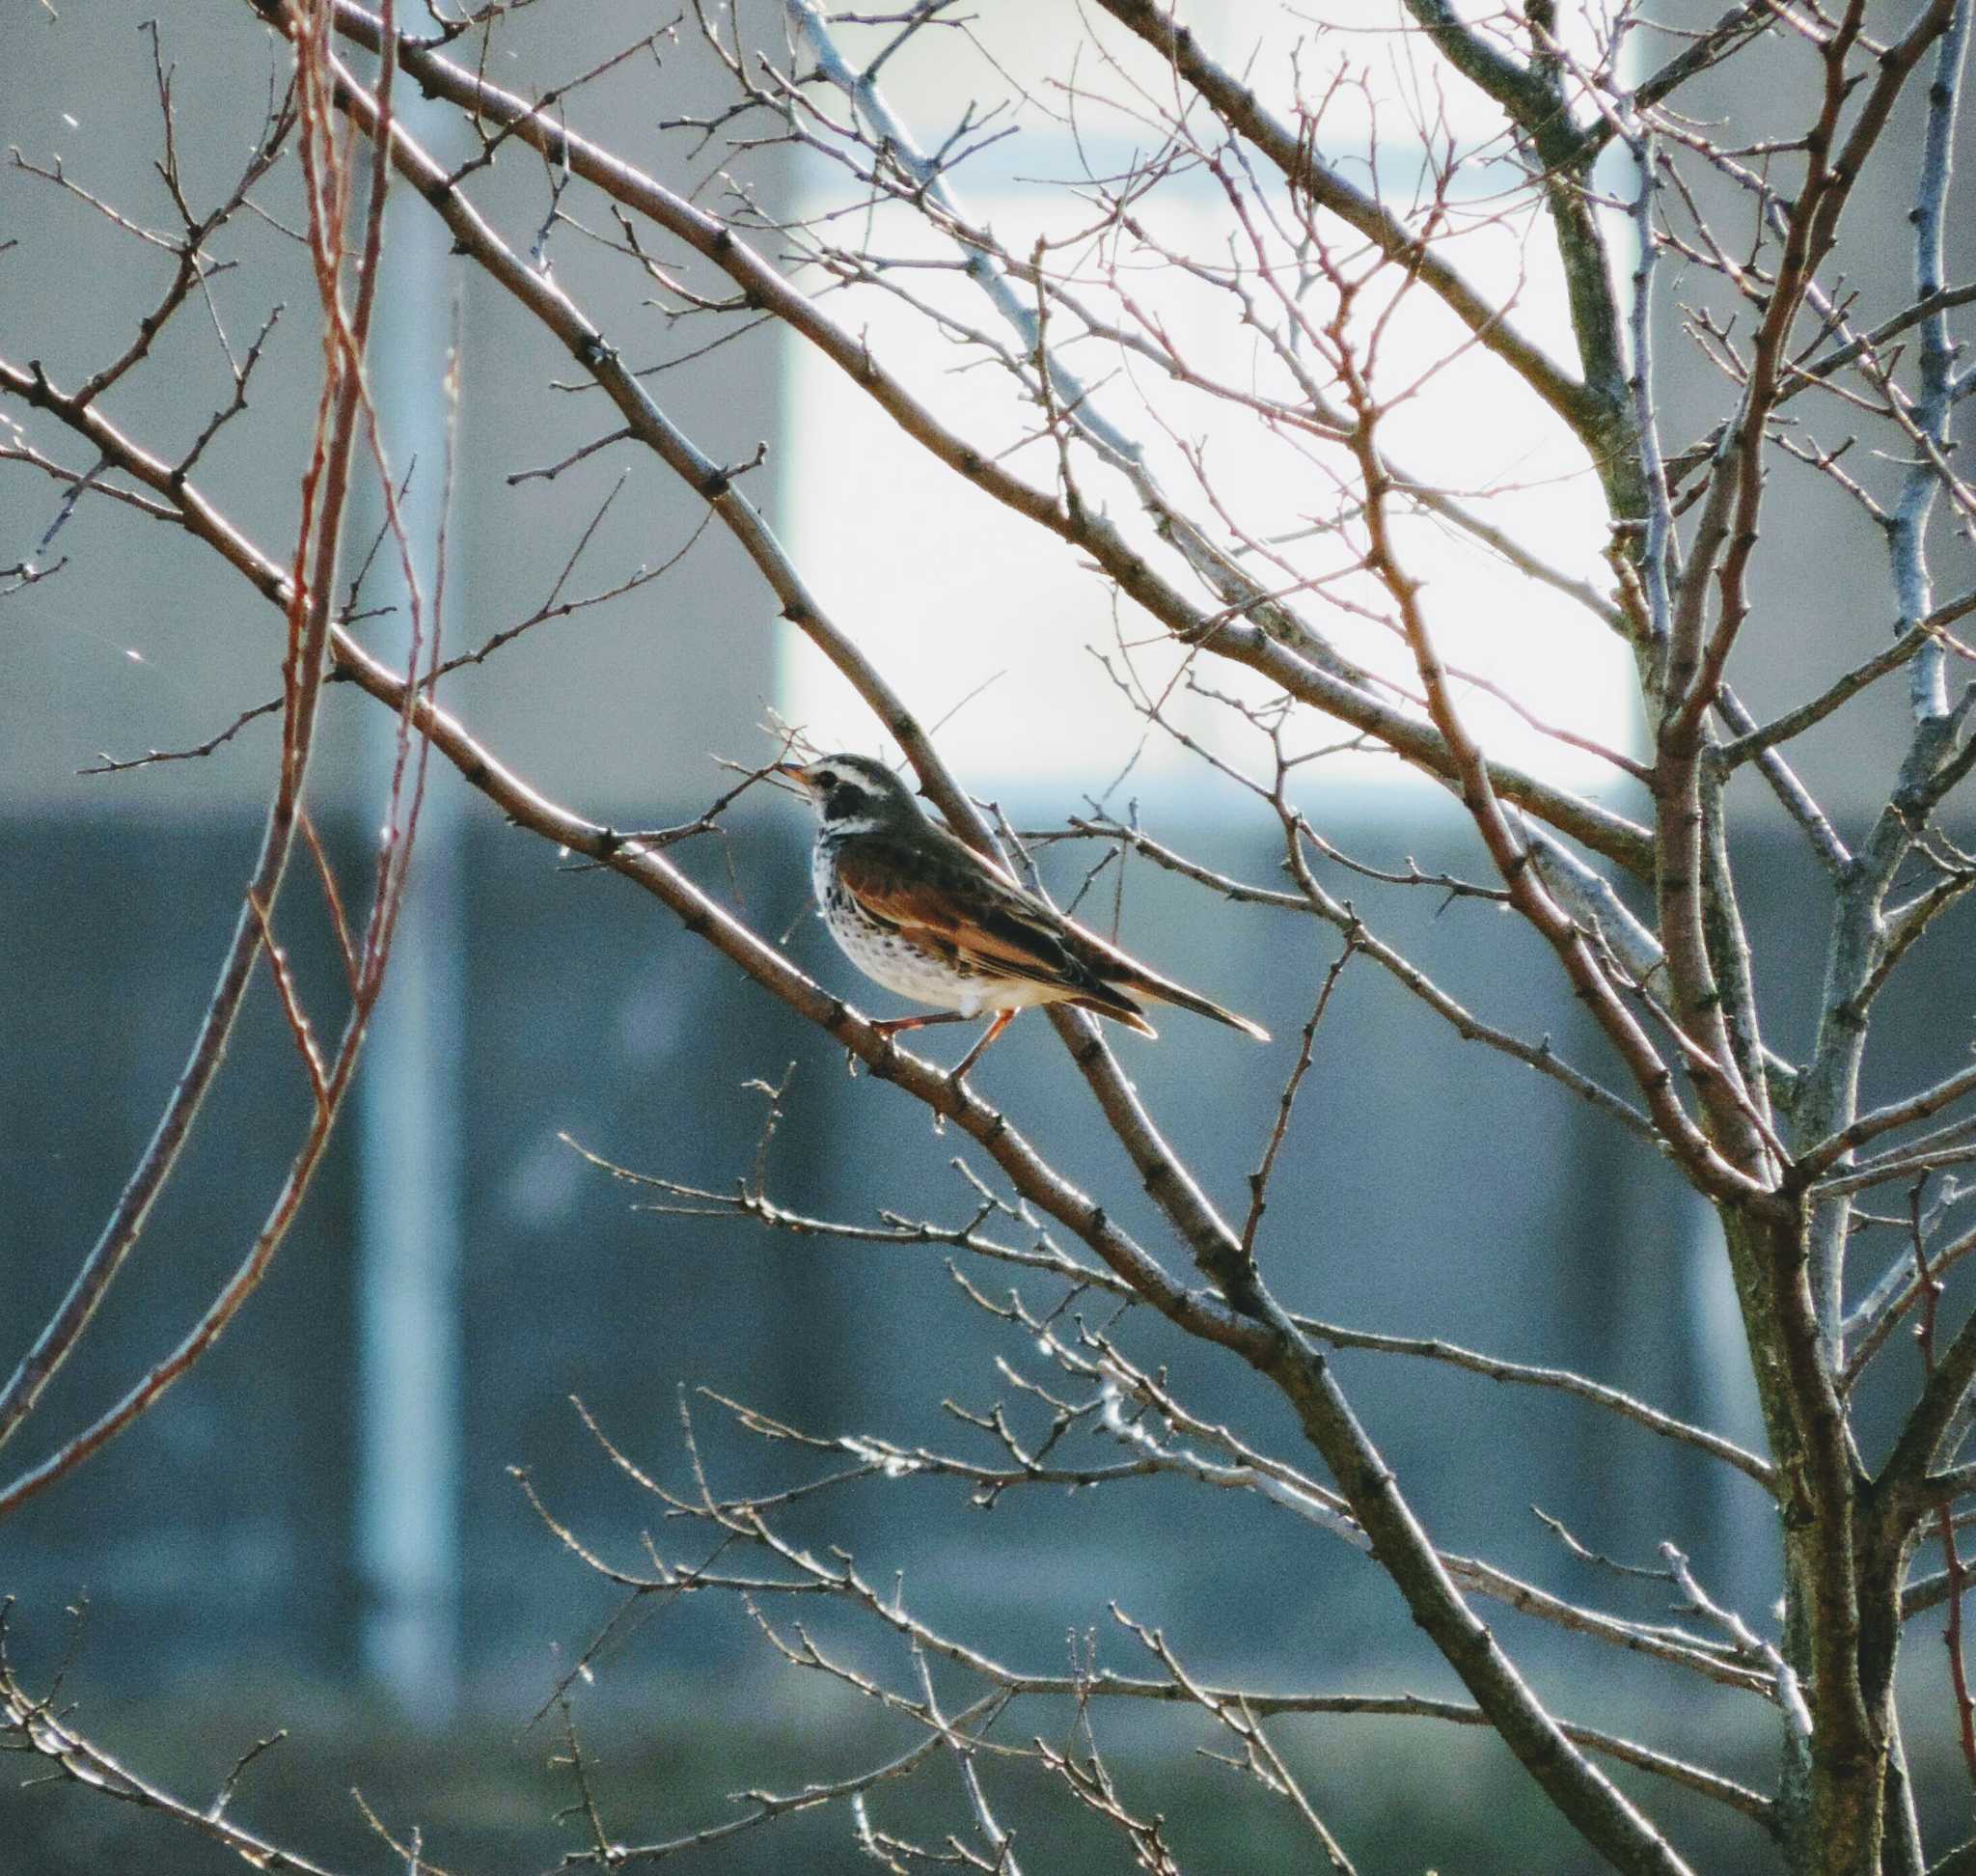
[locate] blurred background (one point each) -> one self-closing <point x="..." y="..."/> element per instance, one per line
<point x="318" y="1529"/>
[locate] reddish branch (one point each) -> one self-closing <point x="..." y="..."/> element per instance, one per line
<point x="306" y="589"/>
<point x="1699" y="1155"/>
<point x="305" y="593"/>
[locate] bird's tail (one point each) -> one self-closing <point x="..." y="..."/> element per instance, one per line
<point x="1141" y="981"/>
<point x="1160" y="989"/>
<point x="1108" y="1000"/>
<point x="1124" y="977"/>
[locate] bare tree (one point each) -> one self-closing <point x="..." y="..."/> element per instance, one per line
<point x="1229" y="374"/>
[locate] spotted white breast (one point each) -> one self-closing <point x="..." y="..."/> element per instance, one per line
<point x="889" y="959"/>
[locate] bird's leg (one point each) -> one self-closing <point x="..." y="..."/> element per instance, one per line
<point x="1003" y="1019"/>
<point x="899" y="1025"/>
<point x="894" y="1026"/>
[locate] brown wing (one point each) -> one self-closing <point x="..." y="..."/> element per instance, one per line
<point x="941" y="895"/>
<point x="939" y="890"/>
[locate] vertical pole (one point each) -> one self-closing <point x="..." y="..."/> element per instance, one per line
<point x="408" y="1498"/>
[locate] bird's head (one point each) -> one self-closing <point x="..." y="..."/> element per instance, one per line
<point x="853" y="794"/>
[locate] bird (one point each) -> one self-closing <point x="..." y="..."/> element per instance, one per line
<point x="921" y="913"/>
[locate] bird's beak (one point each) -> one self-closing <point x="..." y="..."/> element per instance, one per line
<point x="795" y="772"/>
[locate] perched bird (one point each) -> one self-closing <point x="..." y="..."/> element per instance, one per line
<point x="924" y="914"/>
